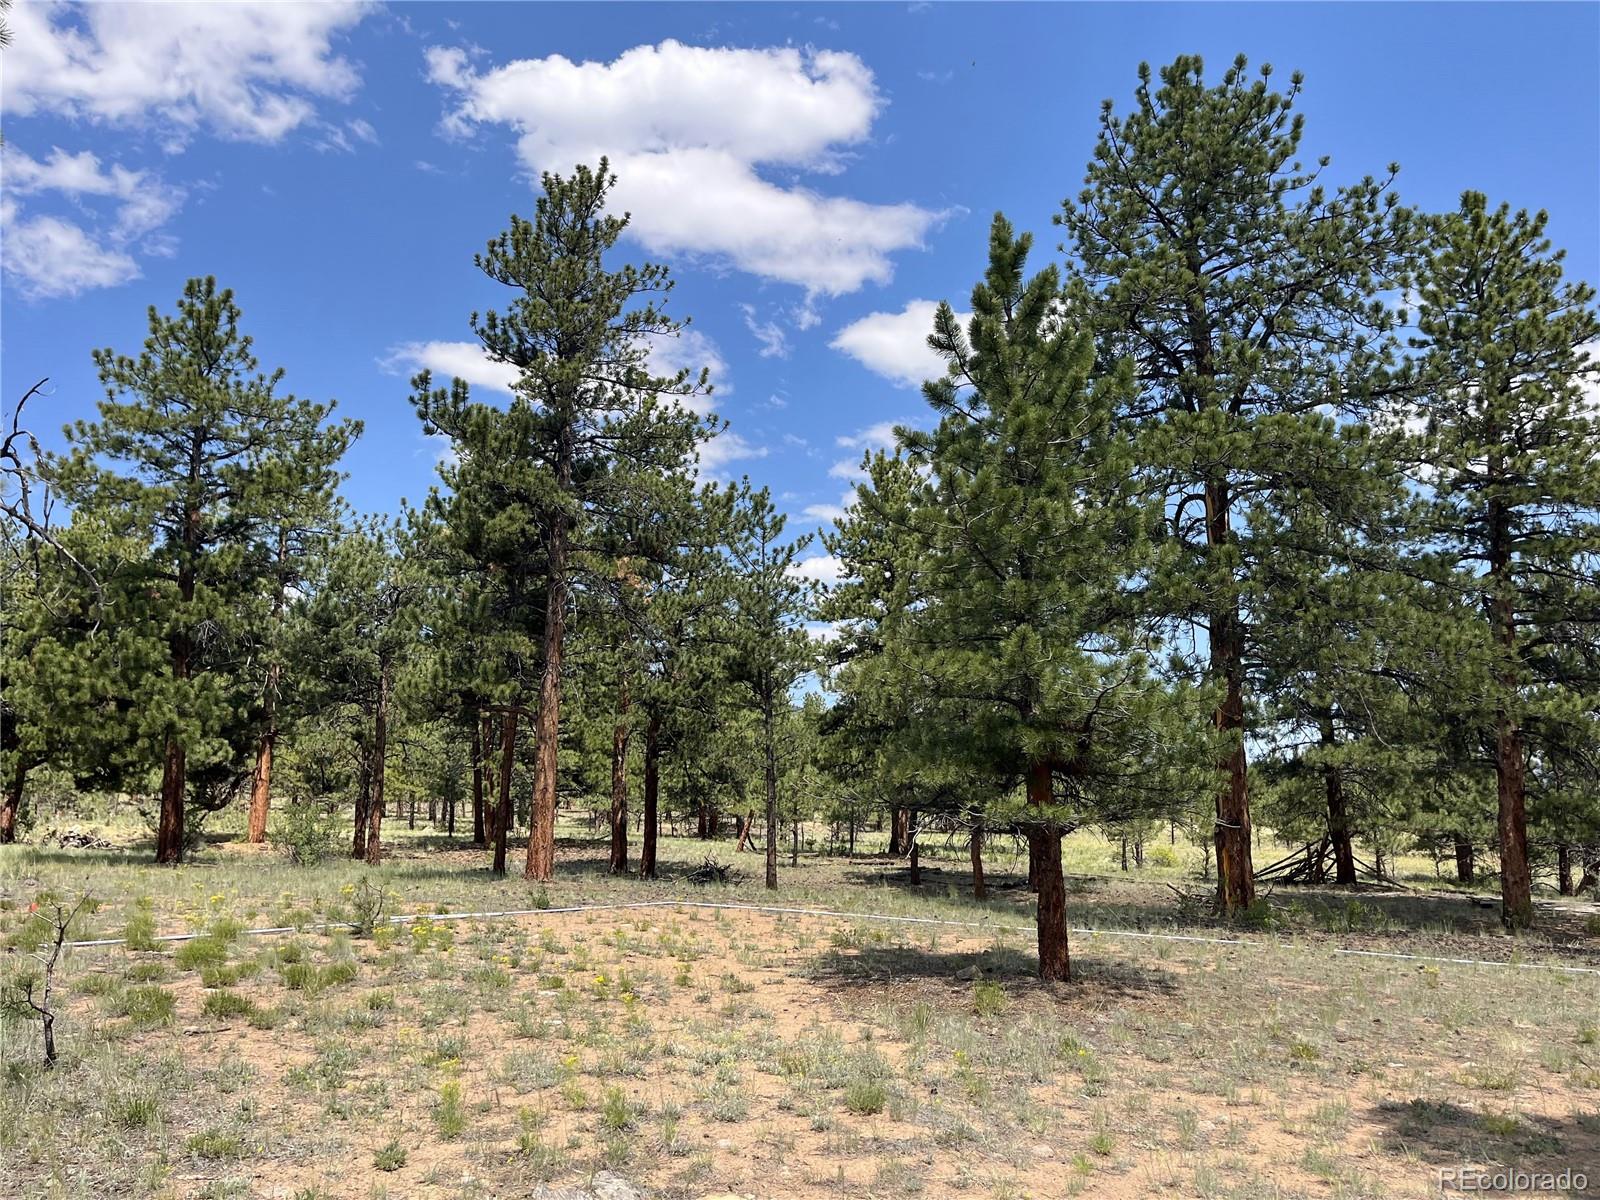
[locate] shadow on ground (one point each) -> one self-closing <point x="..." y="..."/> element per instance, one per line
<point x="948" y="976"/>
<point x="1446" y="1136"/>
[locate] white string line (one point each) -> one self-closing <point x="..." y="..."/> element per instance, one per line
<point x="854" y="916"/>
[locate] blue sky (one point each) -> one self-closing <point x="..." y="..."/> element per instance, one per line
<point x="816" y="176"/>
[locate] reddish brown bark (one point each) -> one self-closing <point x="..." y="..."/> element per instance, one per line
<point x="745" y="824"/>
<point x="175" y="758"/>
<point x="1564" y="869"/>
<point x="1516" y="880"/>
<point x="1044" y="840"/>
<point x="541" y="863"/>
<point x="1466" y="865"/>
<point x="897" y="832"/>
<point x="169" y="826"/>
<point x="1516" y="877"/>
<point x="1344" y="855"/>
<point x="621" y="732"/>
<point x="1236" y="888"/>
<point x="980" y="889"/>
<point x="652" y="796"/>
<point x="261" y="788"/>
<point x="380" y="753"/>
<point x="11" y="806"/>
<point x="261" y="782"/>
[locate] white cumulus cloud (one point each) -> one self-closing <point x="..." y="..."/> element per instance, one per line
<point x="247" y="71"/>
<point x="874" y="437"/>
<point x="687" y="129"/>
<point x="895" y="344"/>
<point x="691" y="350"/>
<point x="451" y="360"/>
<point x="832" y="512"/>
<point x="49" y="255"/>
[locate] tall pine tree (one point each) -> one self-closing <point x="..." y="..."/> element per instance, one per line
<point x="1023" y="644"/>
<point x="198" y="451"/>
<point x="1507" y="447"/>
<point x="1242" y="289"/>
<point x="600" y="425"/>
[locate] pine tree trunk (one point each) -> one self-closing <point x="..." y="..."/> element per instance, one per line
<point x="11" y="808"/>
<point x="169" y="826"/>
<point x="502" y="820"/>
<point x="1590" y="878"/>
<point x="619" y="781"/>
<point x="652" y="791"/>
<point x="479" y="838"/>
<point x="1564" y="869"/>
<point x="1466" y="866"/>
<point x="380" y="754"/>
<point x="770" y="746"/>
<point x="794" y="841"/>
<point x="1044" y="841"/>
<point x="744" y="830"/>
<point x="980" y="889"/>
<point x="1344" y="855"/>
<point x="541" y="863"/>
<point x="1516" y="879"/>
<point x="897" y="832"/>
<point x="174" y="767"/>
<point x="1124" y="852"/>
<point x="1236" y="889"/>
<point x="261" y="781"/>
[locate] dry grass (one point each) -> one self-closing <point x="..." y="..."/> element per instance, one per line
<point x="695" y="1052"/>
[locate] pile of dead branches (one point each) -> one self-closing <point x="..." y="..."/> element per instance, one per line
<point x="711" y="871"/>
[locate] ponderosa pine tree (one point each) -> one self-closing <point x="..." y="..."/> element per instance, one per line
<point x="358" y="625"/>
<point x="1507" y="448"/>
<point x="303" y="514"/>
<point x="1352" y="648"/>
<point x="872" y="747"/>
<point x="686" y="635"/>
<point x="489" y="606"/>
<point x="771" y="650"/>
<point x="68" y="648"/>
<point x="1242" y="289"/>
<point x="600" y="424"/>
<point x="1028" y="539"/>
<point x="199" y="454"/>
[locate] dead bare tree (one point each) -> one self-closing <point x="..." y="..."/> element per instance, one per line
<point x="61" y="920"/>
<point x="25" y="498"/>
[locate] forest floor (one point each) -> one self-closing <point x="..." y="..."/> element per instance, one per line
<point x="687" y="1051"/>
